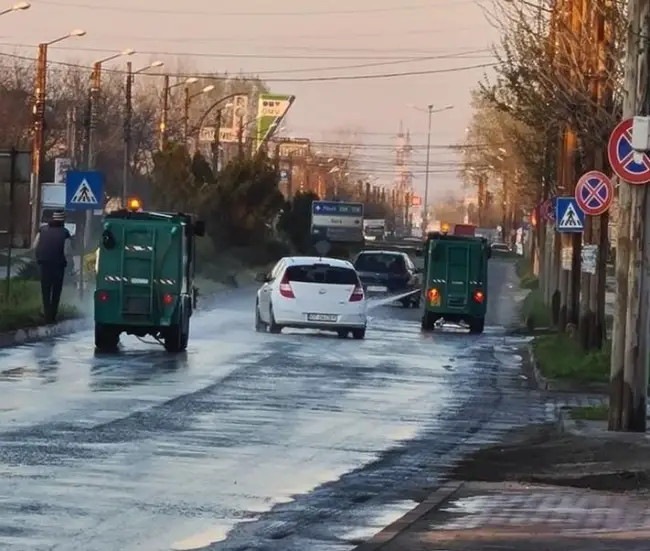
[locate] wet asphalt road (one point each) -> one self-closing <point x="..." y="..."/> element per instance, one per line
<point x="249" y="441"/>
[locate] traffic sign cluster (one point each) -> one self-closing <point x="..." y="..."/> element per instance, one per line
<point x="594" y="191"/>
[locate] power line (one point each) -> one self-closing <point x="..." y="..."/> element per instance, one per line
<point x="286" y="38"/>
<point x="130" y="8"/>
<point x="212" y="55"/>
<point x="333" y="78"/>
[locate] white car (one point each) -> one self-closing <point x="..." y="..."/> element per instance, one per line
<point x="312" y="293"/>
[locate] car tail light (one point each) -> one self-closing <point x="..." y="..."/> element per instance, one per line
<point x="434" y="297"/>
<point x="479" y="296"/>
<point x="285" y="287"/>
<point x="168" y="299"/>
<point x="102" y="296"/>
<point x="357" y="295"/>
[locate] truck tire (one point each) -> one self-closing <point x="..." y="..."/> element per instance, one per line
<point x="476" y="326"/>
<point x="107" y="339"/>
<point x="428" y="321"/>
<point x="177" y="336"/>
<point x="175" y="339"/>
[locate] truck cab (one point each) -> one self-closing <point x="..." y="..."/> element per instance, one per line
<point x="145" y="277"/>
<point x="456" y="280"/>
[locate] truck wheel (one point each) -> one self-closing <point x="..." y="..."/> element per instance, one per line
<point x="107" y="338"/>
<point x="406" y="302"/>
<point x="428" y="321"/>
<point x="175" y="340"/>
<point x="476" y="326"/>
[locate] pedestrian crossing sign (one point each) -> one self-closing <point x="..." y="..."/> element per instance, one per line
<point x="84" y="194"/>
<point x="570" y="218"/>
<point x="84" y="190"/>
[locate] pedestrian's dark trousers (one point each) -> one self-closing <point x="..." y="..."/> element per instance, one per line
<point x="51" y="286"/>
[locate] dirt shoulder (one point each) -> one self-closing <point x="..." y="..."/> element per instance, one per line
<point x="542" y="454"/>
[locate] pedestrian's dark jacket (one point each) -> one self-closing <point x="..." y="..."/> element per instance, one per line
<point x="52" y="244"/>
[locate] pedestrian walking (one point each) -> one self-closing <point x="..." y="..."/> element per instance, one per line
<point x="52" y="247"/>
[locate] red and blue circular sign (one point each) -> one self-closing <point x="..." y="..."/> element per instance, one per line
<point x="621" y="155"/>
<point x="594" y="193"/>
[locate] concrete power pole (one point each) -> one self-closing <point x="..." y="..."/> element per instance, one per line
<point x="631" y="319"/>
<point x="38" y="138"/>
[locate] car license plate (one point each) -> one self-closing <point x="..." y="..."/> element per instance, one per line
<point x="322" y="317"/>
<point x="377" y="289"/>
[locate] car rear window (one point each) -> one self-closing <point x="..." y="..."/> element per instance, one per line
<point x="322" y="274"/>
<point x="380" y="262"/>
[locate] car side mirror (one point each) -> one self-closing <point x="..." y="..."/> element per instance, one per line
<point x="263" y="277"/>
<point x="199" y="228"/>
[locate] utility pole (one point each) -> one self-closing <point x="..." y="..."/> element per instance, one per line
<point x="128" y="114"/>
<point x="164" y="115"/>
<point x="38" y="137"/>
<point x="186" y="114"/>
<point x="240" y="138"/>
<point x="216" y="146"/>
<point x="633" y="415"/>
<point x="622" y="375"/>
<point x="425" y="203"/>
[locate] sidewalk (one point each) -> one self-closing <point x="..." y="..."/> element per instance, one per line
<point x="483" y="516"/>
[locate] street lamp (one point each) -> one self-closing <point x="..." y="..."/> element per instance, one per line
<point x="93" y="96"/>
<point x="38" y="135"/>
<point x="128" y="115"/>
<point x="21" y="6"/>
<point x="186" y="111"/>
<point x="430" y="111"/>
<point x="162" y="144"/>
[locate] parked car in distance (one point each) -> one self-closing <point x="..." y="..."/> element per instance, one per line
<point x="385" y="271"/>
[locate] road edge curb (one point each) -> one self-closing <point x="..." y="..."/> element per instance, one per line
<point x="32" y="334"/>
<point x="433" y="501"/>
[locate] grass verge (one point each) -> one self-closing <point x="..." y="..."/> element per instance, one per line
<point x="535" y="312"/>
<point x="527" y="279"/>
<point x="590" y="413"/>
<point x="23" y="309"/>
<point x="559" y="356"/>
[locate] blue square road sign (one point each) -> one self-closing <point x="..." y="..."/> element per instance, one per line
<point x="569" y="217"/>
<point x="84" y="190"/>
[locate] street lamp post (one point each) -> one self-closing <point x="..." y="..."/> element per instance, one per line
<point x="425" y="206"/>
<point x="20" y="6"/>
<point x="93" y="98"/>
<point x="128" y="115"/>
<point x="186" y="110"/>
<point x="165" y="107"/>
<point x="38" y="134"/>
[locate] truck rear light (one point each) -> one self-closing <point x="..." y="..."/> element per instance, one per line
<point x="479" y="297"/>
<point x="168" y="299"/>
<point x="433" y="295"/>
<point x="285" y="287"/>
<point x="102" y="296"/>
<point x="357" y="294"/>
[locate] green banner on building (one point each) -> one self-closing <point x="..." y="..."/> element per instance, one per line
<point x="271" y="110"/>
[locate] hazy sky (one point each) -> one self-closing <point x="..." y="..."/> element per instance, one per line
<point x="289" y="42"/>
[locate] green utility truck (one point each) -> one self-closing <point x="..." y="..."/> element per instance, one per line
<point x="456" y="278"/>
<point x="145" y="277"/>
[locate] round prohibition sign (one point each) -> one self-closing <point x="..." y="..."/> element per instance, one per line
<point x="621" y="155"/>
<point x="594" y="193"/>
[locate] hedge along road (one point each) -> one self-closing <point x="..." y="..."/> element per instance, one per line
<point x="282" y="442"/>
